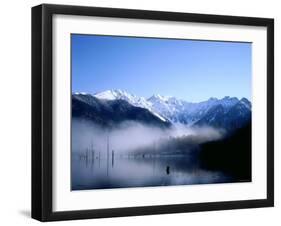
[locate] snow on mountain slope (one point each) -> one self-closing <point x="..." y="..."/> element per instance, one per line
<point x="111" y="113"/>
<point x="169" y="108"/>
<point x="130" y="98"/>
<point x="189" y="113"/>
<point x="107" y="95"/>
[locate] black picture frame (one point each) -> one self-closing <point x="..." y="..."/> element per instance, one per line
<point x="42" y="106"/>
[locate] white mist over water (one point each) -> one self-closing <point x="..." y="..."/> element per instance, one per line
<point x="131" y="135"/>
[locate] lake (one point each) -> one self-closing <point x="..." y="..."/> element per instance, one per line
<point x="93" y="171"/>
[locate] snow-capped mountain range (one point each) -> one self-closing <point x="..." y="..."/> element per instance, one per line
<point x="171" y="109"/>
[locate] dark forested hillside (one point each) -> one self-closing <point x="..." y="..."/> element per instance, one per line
<point x="112" y="112"/>
<point x="231" y="155"/>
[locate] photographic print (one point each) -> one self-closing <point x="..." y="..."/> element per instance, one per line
<point x="159" y="112"/>
<point x="131" y="105"/>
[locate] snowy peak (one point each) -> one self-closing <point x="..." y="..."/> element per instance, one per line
<point x="107" y="95"/>
<point x="159" y="98"/>
<point x="123" y="95"/>
<point x="81" y="93"/>
<point x="130" y="98"/>
<point x="113" y="95"/>
<point x="168" y="108"/>
<point x="164" y="99"/>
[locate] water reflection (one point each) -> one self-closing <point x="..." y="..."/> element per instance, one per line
<point x="94" y="171"/>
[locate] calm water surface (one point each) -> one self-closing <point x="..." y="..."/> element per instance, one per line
<point x="96" y="172"/>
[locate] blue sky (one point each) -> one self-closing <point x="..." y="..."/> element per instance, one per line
<point x="187" y="69"/>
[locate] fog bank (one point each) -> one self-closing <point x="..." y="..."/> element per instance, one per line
<point x="131" y="135"/>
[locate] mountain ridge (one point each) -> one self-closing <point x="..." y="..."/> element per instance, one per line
<point x="212" y="112"/>
<point x="110" y="113"/>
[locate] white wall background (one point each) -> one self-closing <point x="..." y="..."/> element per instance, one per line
<point x="15" y="113"/>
